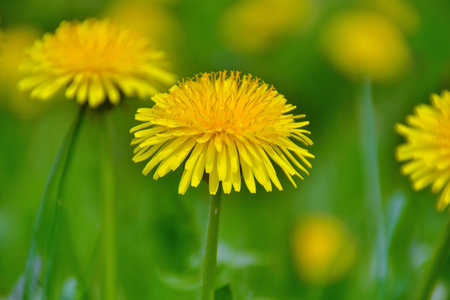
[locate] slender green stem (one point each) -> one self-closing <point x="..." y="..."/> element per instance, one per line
<point x="373" y="202"/>
<point x="44" y="232"/>
<point x="212" y="240"/>
<point x="108" y="214"/>
<point x="436" y="264"/>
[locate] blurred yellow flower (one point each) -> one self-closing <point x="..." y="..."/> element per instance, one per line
<point x="427" y="147"/>
<point x="14" y="41"/>
<point x="323" y="250"/>
<point x="401" y="12"/>
<point x="149" y="18"/>
<point x="362" y="43"/>
<point x="256" y="25"/>
<point x="97" y="61"/>
<point x="229" y="126"/>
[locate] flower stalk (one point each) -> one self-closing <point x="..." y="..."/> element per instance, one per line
<point x="435" y="265"/>
<point x="212" y="239"/>
<point x="108" y="213"/>
<point x="372" y="192"/>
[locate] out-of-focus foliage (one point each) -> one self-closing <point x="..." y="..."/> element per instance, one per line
<point x="160" y="233"/>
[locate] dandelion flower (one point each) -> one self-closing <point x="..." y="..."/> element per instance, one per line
<point x="228" y="128"/>
<point x="427" y="147"/>
<point x="97" y="61"/>
<point x="361" y="43"/>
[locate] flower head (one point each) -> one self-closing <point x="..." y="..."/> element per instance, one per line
<point x="360" y="43"/>
<point x="227" y="127"/>
<point x="97" y="61"/>
<point x="427" y="147"/>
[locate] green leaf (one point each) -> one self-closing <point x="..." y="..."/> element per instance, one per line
<point x="39" y="262"/>
<point x="224" y="293"/>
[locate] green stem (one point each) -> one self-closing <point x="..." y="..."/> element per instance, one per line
<point x="435" y="265"/>
<point x="212" y="240"/>
<point x="44" y="233"/>
<point x="373" y="202"/>
<point x="108" y="215"/>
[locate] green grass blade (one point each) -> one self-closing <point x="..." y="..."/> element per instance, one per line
<point x="435" y="265"/>
<point x="39" y="261"/>
<point x="372" y="191"/>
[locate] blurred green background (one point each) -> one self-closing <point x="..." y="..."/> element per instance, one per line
<point x="264" y="237"/>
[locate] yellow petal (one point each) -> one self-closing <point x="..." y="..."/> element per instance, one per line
<point x="199" y="170"/>
<point x="210" y="155"/>
<point x="96" y="92"/>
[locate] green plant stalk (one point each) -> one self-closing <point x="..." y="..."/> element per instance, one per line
<point x="108" y="212"/>
<point x="373" y="202"/>
<point x="212" y="240"/>
<point x="44" y="234"/>
<point x="435" y="265"/>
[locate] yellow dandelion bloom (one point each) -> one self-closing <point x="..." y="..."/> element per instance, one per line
<point x="228" y="128"/>
<point x="427" y="147"/>
<point x="97" y="61"/>
<point x="360" y="43"/>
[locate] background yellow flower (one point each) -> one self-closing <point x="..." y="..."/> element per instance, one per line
<point x="256" y="26"/>
<point x="97" y="61"/>
<point x="361" y="43"/>
<point x="323" y="249"/>
<point x="402" y="12"/>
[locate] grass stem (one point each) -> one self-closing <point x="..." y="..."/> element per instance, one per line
<point x="372" y="193"/>
<point x="108" y="212"/>
<point x="435" y="265"/>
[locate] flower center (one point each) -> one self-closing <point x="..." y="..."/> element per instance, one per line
<point x="226" y="106"/>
